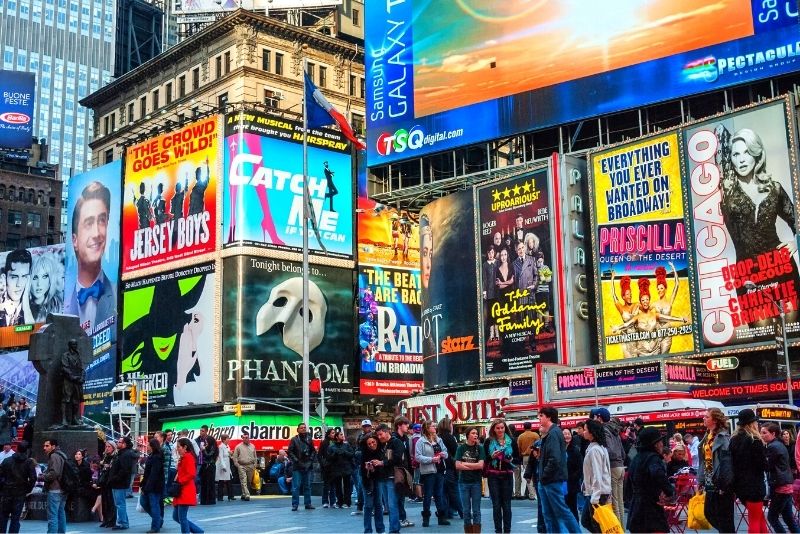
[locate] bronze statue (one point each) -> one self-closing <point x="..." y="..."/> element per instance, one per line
<point x="74" y="377"/>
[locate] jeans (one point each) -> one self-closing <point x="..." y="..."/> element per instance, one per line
<point x="781" y="506"/>
<point x="285" y="489"/>
<point x="557" y="516"/>
<point x="452" y="500"/>
<point x="180" y="514"/>
<point x="359" y="488"/>
<point x="401" y="504"/>
<point x="501" y="490"/>
<point x="328" y="491"/>
<point x="122" y="507"/>
<point x="373" y="508"/>
<point x="471" y="502"/>
<point x="301" y="478"/>
<point x="344" y="490"/>
<point x="11" y="509"/>
<point x="386" y="489"/>
<point x="433" y="486"/>
<point x="56" y="512"/>
<point x="151" y="502"/>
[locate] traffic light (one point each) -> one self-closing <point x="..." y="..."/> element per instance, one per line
<point x="238" y="409"/>
<point x="143" y="397"/>
<point x="133" y="396"/>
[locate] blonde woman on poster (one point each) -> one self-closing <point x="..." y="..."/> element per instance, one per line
<point x="662" y="305"/>
<point x="626" y="308"/>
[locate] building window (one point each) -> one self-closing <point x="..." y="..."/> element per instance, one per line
<point x="310" y="71"/>
<point x="272" y="98"/>
<point x="222" y="100"/>
<point x="130" y="113"/>
<point x="181" y="86"/>
<point x="15" y="217"/>
<point x="363" y="87"/>
<point x="142" y="107"/>
<point x="109" y="156"/>
<point x="352" y="85"/>
<point x="113" y="121"/>
<point x="155" y="100"/>
<point x="358" y="124"/>
<point x="218" y="66"/>
<point x="356" y="15"/>
<point x="279" y="64"/>
<point x="227" y="62"/>
<point x="323" y="76"/>
<point x="34" y="220"/>
<point x="168" y="90"/>
<point x="196" y="79"/>
<point x="52" y="202"/>
<point x="2" y="192"/>
<point x="266" y="58"/>
<point x="105" y="125"/>
<point x="51" y="223"/>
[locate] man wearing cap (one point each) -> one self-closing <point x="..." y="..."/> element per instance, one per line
<point x="553" y="475"/>
<point x="616" y="456"/>
<point x="244" y="458"/>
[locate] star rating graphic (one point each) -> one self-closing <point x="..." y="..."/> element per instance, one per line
<point x="495" y="195"/>
<point x="525" y="187"/>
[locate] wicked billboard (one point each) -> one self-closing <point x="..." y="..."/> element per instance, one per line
<point x="262" y="329"/>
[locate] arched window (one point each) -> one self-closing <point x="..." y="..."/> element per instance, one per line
<point x="2" y="192"/>
<point x="12" y="193"/>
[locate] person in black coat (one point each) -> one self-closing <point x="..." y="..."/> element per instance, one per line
<point x="779" y="476"/>
<point x="532" y="474"/>
<point x="152" y="486"/>
<point x="340" y="456"/>
<point x="452" y="502"/>
<point x="328" y="490"/>
<point x="649" y="480"/>
<point x="574" y="471"/>
<point x="749" y="460"/>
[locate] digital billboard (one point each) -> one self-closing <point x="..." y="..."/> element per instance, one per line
<point x="168" y="325"/>
<point x="449" y="316"/>
<point x="389" y="333"/>
<point x="31" y="286"/>
<point x="387" y="236"/>
<point x="17" y="97"/>
<point x="516" y="277"/>
<point x="640" y="246"/>
<point x="20" y="374"/>
<point x="170" y="200"/>
<point x="743" y="184"/>
<point x="262" y="329"/>
<point x="447" y="74"/>
<point x="263" y="189"/>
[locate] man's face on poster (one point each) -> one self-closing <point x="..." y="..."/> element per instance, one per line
<point x="17" y="278"/>
<point x="89" y="238"/>
<point x="519" y="221"/>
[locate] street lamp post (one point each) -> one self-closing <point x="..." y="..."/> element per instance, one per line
<point x="780" y="338"/>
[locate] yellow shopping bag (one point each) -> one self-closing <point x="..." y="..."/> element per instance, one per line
<point x="696" y="516"/>
<point x="608" y="521"/>
<point x="256" y="481"/>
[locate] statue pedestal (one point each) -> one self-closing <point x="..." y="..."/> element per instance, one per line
<point x="69" y="441"/>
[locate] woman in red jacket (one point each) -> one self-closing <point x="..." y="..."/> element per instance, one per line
<point x="187" y="468"/>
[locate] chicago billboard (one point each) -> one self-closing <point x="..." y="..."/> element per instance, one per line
<point x="640" y="244"/>
<point x="515" y="249"/>
<point x="170" y="200"/>
<point x="17" y="96"/>
<point x="447" y="74"/>
<point x="168" y="335"/>
<point x="263" y="190"/>
<point x="262" y="328"/>
<point x="743" y="183"/>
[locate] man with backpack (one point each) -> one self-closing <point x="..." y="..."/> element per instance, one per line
<point x="53" y="478"/>
<point x="119" y="479"/>
<point x="17" y="479"/>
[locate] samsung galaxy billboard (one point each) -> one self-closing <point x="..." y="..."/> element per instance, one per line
<point x="447" y="74"/>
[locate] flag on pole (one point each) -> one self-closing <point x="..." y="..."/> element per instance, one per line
<point x="320" y="112"/>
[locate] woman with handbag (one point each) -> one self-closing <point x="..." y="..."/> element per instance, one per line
<point x="779" y="476"/>
<point x="749" y="456"/>
<point x="152" y="485"/>
<point x="431" y="453"/>
<point x="715" y="472"/>
<point x="501" y="454"/>
<point x="596" y="474"/>
<point x="184" y="492"/>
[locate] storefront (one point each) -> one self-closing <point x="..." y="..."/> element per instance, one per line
<point x="464" y="408"/>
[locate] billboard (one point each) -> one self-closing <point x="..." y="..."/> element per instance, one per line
<point x="262" y="329"/>
<point x="447" y="74"/>
<point x="213" y="6"/>
<point x="170" y="201"/>
<point x="19" y="373"/>
<point x="742" y="178"/>
<point x="516" y="277"/>
<point x="387" y="236"/>
<point x="31" y="286"/>
<point x="449" y="314"/>
<point x="168" y="325"/>
<point x="263" y="191"/>
<point x="640" y="243"/>
<point x="389" y="333"/>
<point x="17" y="97"/>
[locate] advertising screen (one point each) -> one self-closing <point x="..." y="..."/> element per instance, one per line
<point x="448" y="74"/>
<point x="31" y="286"/>
<point x="743" y="185"/>
<point x="449" y="290"/>
<point x="515" y="250"/>
<point x="170" y="201"/>
<point x="389" y="333"/>
<point x="17" y="92"/>
<point x="263" y="191"/>
<point x="640" y="243"/>
<point x="168" y="327"/>
<point x="387" y="236"/>
<point x="262" y="329"/>
<point x="20" y="374"/>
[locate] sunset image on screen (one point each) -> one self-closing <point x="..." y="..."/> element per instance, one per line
<point x="468" y="51"/>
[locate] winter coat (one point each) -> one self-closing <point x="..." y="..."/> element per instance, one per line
<point x="779" y="473"/>
<point x="84" y="478"/>
<point x="341" y="459"/>
<point x="574" y="467"/>
<point x="596" y="473"/>
<point x="649" y="479"/>
<point x="153" y="478"/>
<point x="749" y="460"/>
<point x="410" y="450"/>
<point x="187" y="469"/>
<point x="55" y="466"/>
<point x="553" y="457"/>
<point x="367" y="455"/>
<point x="424" y="454"/>
<point x="119" y="476"/>
<point x="301" y="452"/>
<point x="616" y="451"/>
<point x="324" y="457"/>
<point x="395" y="455"/>
<point x="721" y="475"/>
<point x="18" y="476"/>
<point x="224" y="463"/>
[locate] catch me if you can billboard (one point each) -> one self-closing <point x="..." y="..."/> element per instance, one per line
<point x="448" y="74"/>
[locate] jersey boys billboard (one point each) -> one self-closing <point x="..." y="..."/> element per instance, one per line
<point x="743" y="188"/>
<point x="448" y="74"/>
<point x="514" y="245"/>
<point x="169" y="206"/>
<point x="263" y="191"/>
<point x="640" y="236"/>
